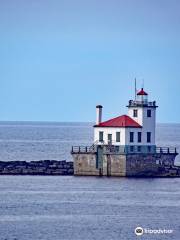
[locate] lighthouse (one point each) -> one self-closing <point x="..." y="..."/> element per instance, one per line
<point x="135" y="132"/>
<point x="125" y="145"/>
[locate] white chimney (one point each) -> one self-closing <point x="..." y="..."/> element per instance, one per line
<point x="98" y="114"/>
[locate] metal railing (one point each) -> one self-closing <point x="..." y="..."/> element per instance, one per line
<point x="108" y="142"/>
<point x="134" y="103"/>
<point x="114" y="149"/>
<point x="83" y="149"/>
<point x="130" y="149"/>
<point x="138" y="149"/>
<point x="166" y="150"/>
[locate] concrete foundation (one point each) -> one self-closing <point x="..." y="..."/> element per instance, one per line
<point x="121" y="165"/>
<point x="85" y="164"/>
<point x="114" y="165"/>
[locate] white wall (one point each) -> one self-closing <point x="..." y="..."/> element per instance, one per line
<point x="110" y="130"/>
<point x="143" y="137"/>
<point x="138" y="119"/>
<point x="124" y="136"/>
<point x="148" y="123"/>
<point x="135" y="130"/>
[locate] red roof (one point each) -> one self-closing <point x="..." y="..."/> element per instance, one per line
<point x="121" y="121"/>
<point x="142" y="92"/>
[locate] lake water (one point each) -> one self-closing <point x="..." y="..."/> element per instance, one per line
<point x="52" y="141"/>
<point x="39" y="141"/>
<point x="78" y="208"/>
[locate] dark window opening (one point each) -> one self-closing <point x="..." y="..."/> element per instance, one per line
<point x="132" y="148"/>
<point x="139" y="137"/>
<point x="149" y="148"/>
<point x="139" y="148"/>
<point x="148" y="137"/>
<point x="101" y="137"/>
<point x="117" y="149"/>
<point x="131" y="137"/>
<point x="135" y="113"/>
<point x="117" y="136"/>
<point x="109" y="138"/>
<point x="148" y="113"/>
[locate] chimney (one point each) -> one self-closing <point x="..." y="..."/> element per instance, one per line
<point x="98" y="114"/>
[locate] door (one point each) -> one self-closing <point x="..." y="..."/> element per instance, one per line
<point x="109" y="138"/>
<point x="108" y="165"/>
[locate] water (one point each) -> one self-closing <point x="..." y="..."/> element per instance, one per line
<point x="42" y="141"/>
<point x="78" y="208"/>
<point x="39" y="141"/>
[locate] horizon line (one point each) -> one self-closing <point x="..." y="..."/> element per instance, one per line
<point x="50" y="121"/>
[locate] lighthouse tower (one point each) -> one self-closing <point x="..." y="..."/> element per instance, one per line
<point x="144" y="112"/>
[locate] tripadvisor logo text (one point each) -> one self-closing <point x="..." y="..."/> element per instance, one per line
<point x="139" y="231"/>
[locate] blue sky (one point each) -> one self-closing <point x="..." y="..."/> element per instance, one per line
<point x="59" y="58"/>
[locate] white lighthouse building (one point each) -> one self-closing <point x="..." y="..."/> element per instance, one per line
<point x="134" y="132"/>
<point x="125" y="145"/>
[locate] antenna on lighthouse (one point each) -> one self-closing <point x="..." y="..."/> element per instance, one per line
<point x="135" y="89"/>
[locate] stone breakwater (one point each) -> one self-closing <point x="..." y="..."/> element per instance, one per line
<point x="44" y="167"/>
<point x="53" y="167"/>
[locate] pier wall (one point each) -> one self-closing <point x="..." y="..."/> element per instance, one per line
<point x="141" y="164"/>
<point x="130" y="165"/>
<point x="85" y="164"/>
<point x="114" y="165"/>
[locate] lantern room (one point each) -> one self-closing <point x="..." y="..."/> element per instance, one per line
<point x="142" y="96"/>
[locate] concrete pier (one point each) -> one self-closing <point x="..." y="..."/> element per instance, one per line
<point x="109" y="162"/>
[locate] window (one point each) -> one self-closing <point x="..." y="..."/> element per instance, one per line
<point x="117" y="149"/>
<point x="135" y="113"/>
<point x="149" y="148"/>
<point x="109" y="138"/>
<point x="117" y="136"/>
<point x="131" y="137"/>
<point x="101" y="136"/>
<point x="139" y="137"/>
<point x="131" y="148"/>
<point x="148" y="137"/>
<point x="148" y="113"/>
<point x="139" y="148"/>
